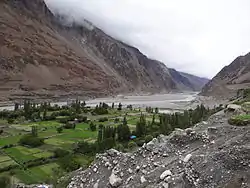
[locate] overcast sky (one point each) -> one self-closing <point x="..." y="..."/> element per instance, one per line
<point x="194" y="36"/>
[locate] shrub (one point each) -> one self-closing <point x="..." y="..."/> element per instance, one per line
<point x="10" y="121"/>
<point x="70" y="125"/>
<point x="100" y="111"/>
<point x="12" y="172"/>
<point x="63" y="120"/>
<point x="5" y="182"/>
<point x="64" y="113"/>
<point x="116" y="120"/>
<point x="82" y="119"/>
<point x="51" y="117"/>
<point x="8" y="146"/>
<point x="59" y="129"/>
<point x="156" y="134"/>
<point x="103" y="119"/>
<point x="60" y="153"/>
<point x="130" y="107"/>
<point x="85" y="148"/>
<point x="68" y="163"/>
<point x="8" y="168"/>
<point x="132" y="145"/>
<point x="148" y="138"/>
<point x="238" y="122"/>
<point x="37" y="162"/>
<point x="31" y="141"/>
<point x="140" y="142"/>
<point x="92" y="126"/>
<point x="120" y="147"/>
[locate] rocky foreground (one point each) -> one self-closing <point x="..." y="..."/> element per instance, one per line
<point x="212" y="154"/>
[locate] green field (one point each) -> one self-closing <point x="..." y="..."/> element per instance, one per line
<point x="22" y="154"/>
<point x="9" y="140"/>
<point x="4" y="158"/>
<point x="13" y="153"/>
<point x="38" y="174"/>
<point x="7" y="163"/>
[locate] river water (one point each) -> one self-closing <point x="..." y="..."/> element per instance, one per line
<point x="164" y="102"/>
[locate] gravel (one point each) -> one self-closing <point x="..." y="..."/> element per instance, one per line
<point x="211" y="154"/>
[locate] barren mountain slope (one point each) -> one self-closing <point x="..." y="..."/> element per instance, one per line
<point x="36" y="59"/>
<point x="231" y="78"/>
<point x="42" y="56"/>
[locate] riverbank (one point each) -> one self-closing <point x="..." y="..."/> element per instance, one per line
<point x="162" y="101"/>
<point x="170" y="101"/>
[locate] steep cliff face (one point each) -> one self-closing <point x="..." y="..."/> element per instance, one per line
<point x="138" y="72"/>
<point x="37" y="60"/>
<point x="43" y="55"/>
<point x="231" y="78"/>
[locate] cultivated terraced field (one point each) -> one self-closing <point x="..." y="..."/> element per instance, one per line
<point x="14" y="158"/>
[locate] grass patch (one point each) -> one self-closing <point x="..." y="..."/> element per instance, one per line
<point x="3" y="121"/>
<point x="4" y="158"/>
<point x="42" y="124"/>
<point x="28" y="151"/>
<point x="9" y="140"/>
<point x="23" y="154"/>
<point x="79" y="133"/>
<point x="240" y="120"/>
<point x="133" y="120"/>
<point x="26" y="177"/>
<point x="43" y="154"/>
<point x="59" y="143"/>
<point x="7" y="163"/>
<point x="47" y="133"/>
<point x="243" y="117"/>
<point x="38" y="174"/>
<point x="84" y="160"/>
<point x="18" y="155"/>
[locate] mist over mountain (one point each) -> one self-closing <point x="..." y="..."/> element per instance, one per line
<point x="184" y="35"/>
<point x="50" y="55"/>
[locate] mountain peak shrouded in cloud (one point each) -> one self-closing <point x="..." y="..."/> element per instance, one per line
<point x="198" y="37"/>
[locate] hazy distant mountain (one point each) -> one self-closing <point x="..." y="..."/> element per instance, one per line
<point x="45" y="55"/>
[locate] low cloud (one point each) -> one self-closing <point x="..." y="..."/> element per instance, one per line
<point x="198" y="37"/>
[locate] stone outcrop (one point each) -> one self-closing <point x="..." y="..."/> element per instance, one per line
<point x="211" y="154"/>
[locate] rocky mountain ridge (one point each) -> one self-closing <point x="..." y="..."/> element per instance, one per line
<point x="42" y="57"/>
<point x="230" y="79"/>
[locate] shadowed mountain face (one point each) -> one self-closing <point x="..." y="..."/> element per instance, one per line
<point x="231" y="78"/>
<point x="43" y="56"/>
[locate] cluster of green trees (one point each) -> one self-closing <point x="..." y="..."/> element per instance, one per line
<point x="119" y="107"/>
<point x="5" y="182"/>
<point x="141" y="126"/>
<point x="103" y="119"/>
<point x="39" y="112"/>
<point x="106" y="137"/>
<point x="92" y="126"/>
<point x="101" y="109"/>
<point x="31" y="139"/>
<point x="130" y="107"/>
<point x="168" y="122"/>
<point x="152" y="110"/>
<point x="123" y="131"/>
